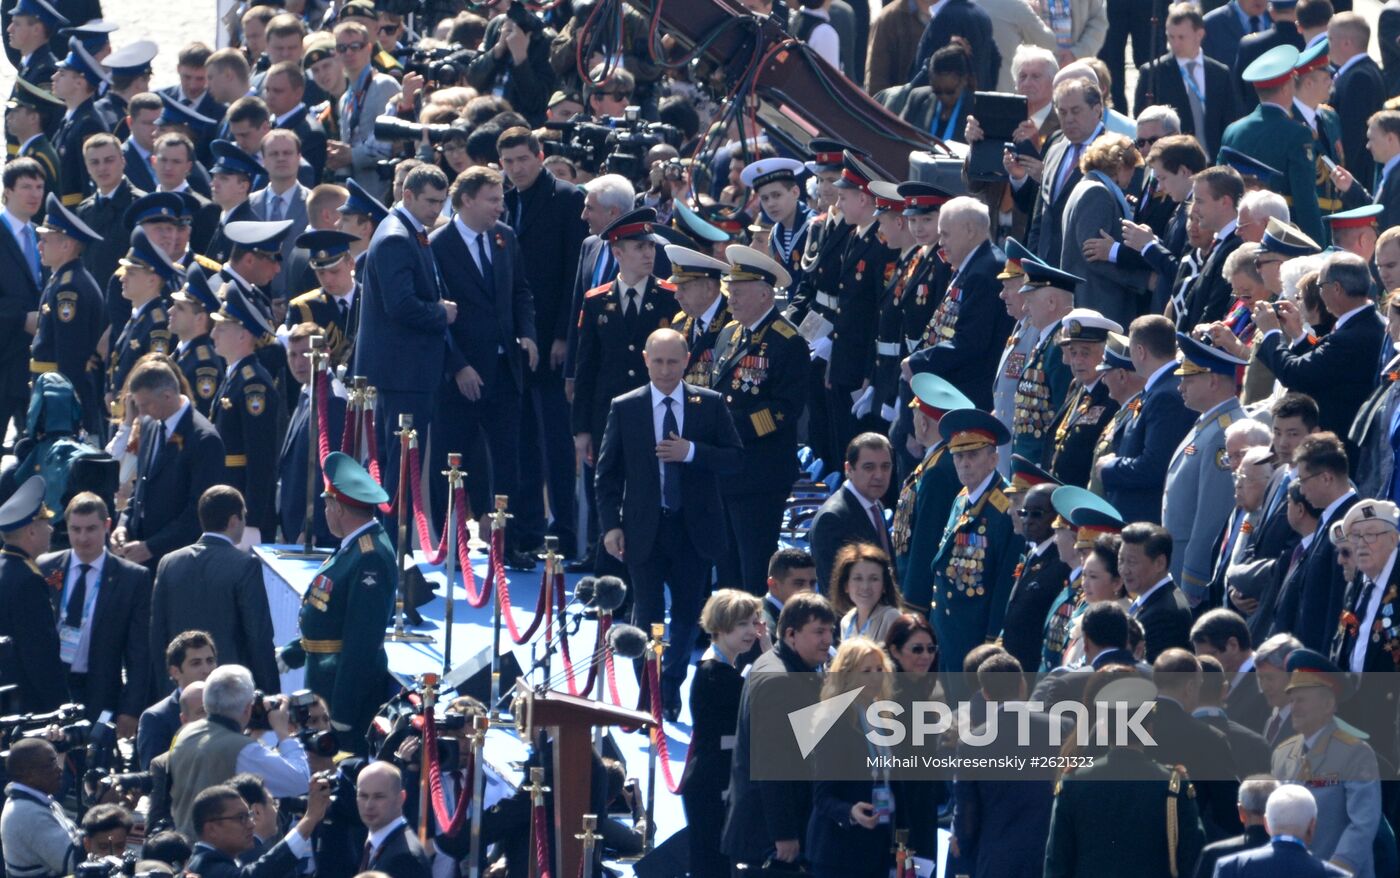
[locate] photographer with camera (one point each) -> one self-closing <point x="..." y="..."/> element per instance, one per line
<point x="225" y="827"/>
<point x="209" y="751"/>
<point x="357" y="152"/>
<point x="514" y="60"/>
<point x="39" y="840"/>
<point x="105" y="831"/>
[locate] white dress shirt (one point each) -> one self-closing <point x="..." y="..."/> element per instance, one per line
<point x="70" y="582"/>
<point x="1368" y="615"/>
<point x="658" y="417"/>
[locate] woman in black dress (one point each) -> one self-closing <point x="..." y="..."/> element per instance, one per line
<point x="734" y="621"/>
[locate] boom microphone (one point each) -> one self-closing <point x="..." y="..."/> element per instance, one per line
<point x="627" y="641"/>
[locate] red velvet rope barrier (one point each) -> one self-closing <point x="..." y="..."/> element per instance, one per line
<point x="435" y="556"/>
<point x="599" y="646"/>
<point x="448" y="824"/>
<point x="658" y="731"/>
<point x="350" y="437"/>
<point x="497" y="571"/>
<point x="323" y="434"/>
<point x="541" y="842"/>
<point x="475" y="599"/>
<point x="372" y="445"/>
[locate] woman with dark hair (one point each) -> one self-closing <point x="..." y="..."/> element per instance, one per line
<point x="913" y="651"/>
<point x="909" y="641"/>
<point x="1099" y="582"/>
<point x="941" y="107"/>
<point x="863" y="592"/>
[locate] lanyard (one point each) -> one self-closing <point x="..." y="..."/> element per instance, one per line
<point x="1113" y="188"/>
<point x="952" y="119"/>
<point x="88" y="602"/>
<point x="356" y="97"/>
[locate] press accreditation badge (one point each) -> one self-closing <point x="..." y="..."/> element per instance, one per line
<point x="68" y="638"/>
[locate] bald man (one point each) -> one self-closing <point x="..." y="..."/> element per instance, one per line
<point x="666" y="446"/>
<point x="392" y="846"/>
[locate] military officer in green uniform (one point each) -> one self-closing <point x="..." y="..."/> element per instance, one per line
<point x="1270" y="135"/>
<point x="1088" y="407"/>
<point x="347" y="606"/>
<point x="334" y="305"/>
<point x="697" y="279"/>
<point x="191" y="315"/>
<point x="1333" y="761"/>
<point x="975" y="565"/>
<point x="1200" y="488"/>
<point x="1125" y="389"/>
<point x="30" y="112"/>
<point x="247" y="409"/>
<point x="1045" y="380"/>
<point x="1124" y="808"/>
<point x="144" y="273"/>
<point x="71" y="313"/>
<point x="928" y="492"/>
<point x="1314" y="82"/>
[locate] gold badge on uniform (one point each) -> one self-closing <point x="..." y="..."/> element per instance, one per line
<point x="256" y="403"/>
<point x="204" y="386"/>
<point x="65" y="311"/>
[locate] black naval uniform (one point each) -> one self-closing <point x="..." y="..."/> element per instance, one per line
<point x="147" y="331"/>
<point x="339" y="326"/>
<point x="788" y="246"/>
<point x="865" y="263"/>
<point x="610" y="349"/>
<point x="203" y="369"/>
<point x="112" y="108"/>
<point x="889" y="338"/>
<point x="702" y="344"/>
<point x="71" y="321"/>
<point x="36" y="670"/>
<point x="81" y="124"/>
<point x="40" y="148"/>
<point x="107" y="215"/>
<point x="821" y="266"/>
<point x="763" y="376"/>
<point x="247" y="412"/>
<point x="219" y="247"/>
<point x="1077" y="429"/>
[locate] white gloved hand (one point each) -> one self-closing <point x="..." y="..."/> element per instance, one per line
<point x="821" y="348"/>
<point x="864" y="402"/>
<point x="282" y="666"/>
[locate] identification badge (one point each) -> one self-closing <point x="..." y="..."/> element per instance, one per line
<point x="883" y="801"/>
<point x="68" y="638"/>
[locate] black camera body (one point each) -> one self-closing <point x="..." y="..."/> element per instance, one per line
<point x="611" y="145"/>
<point x="443" y="66"/>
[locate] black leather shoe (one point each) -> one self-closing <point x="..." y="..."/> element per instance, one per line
<point x="582" y="565"/>
<point x="518" y="560"/>
<point x="672" y="713"/>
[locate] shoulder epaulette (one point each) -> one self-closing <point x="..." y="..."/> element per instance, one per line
<point x="999" y="500"/>
<point x="1224" y="420"/>
<point x="158" y="314"/>
<point x="1346" y="737"/>
<point x="201" y="352"/>
<point x="784" y="328"/>
<point x="206" y="263"/>
<point x="599" y="290"/>
<point x="66" y="277"/>
<point x="366" y="544"/>
<point x="733" y="324"/>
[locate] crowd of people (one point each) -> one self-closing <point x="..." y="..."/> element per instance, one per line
<point x="1114" y="412"/>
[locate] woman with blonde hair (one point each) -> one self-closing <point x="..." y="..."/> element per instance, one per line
<point x="863" y="592"/>
<point x="1097" y="207"/>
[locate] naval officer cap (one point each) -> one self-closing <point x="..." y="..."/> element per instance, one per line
<point x="237" y="309"/>
<point x="42" y="10"/>
<point x="1273" y="68"/>
<point x="1356" y="218"/>
<point x="145" y="255"/>
<point x="764" y="171"/>
<point x="921" y="198"/>
<point x="27" y="94"/>
<point x="1287" y="240"/>
<point x="80" y="60"/>
<point x="1314" y="57"/>
<point x="971" y="429"/>
<point x="1026" y="475"/>
<point x="1381" y="511"/>
<point x="856" y="173"/>
<point x="176" y="113"/>
<point x="25" y="505"/>
<point x="132" y="60"/>
<point x="1041" y="276"/>
<point x="325" y="247"/>
<point x="688" y="265"/>
<point x="695" y="228"/>
<point x="746" y="263"/>
<point x="95" y="36"/>
<point x="827" y="154"/>
<point x="1016" y="256"/>
<point x="1115" y="354"/>
<point x="58" y="218"/>
<point x="1248" y="166"/>
<point x="887" y="197"/>
<point x="258" y="236"/>
<point x="1086" y="324"/>
<point x="362" y="202"/>
<point x="636" y="225"/>
<point x="1200" y="358"/>
<point x="935" y="396"/>
<point x="197" y="291"/>
<point x="350" y="483"/>
<point x="163" y="207"/>
<point x="229" y="159"/>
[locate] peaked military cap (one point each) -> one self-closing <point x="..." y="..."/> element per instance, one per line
<point x="765" y="171"/>
<point x="1199" y="358"/>
<point x="25" y="505"/>
<point x="176" y="113"/>
<point x="264" y="237"/>
<point x="197" y="291"/>
<point x="229" y="159"/>
<point x="920" y="197"/>
<point x="1086" y="324"/>
<point x="970" y="429"/>
<point x="746" y="263"/>
<point x="80" y="60"/>
<point x="827" y="154"/>
<point x="935" y="396"/>
<point x="636" y="225"/>
<point x="855" y="173"/>
<point x="158" y="206"/>
<point x="1287" y="239"/>
<point x="361" y="201"/>
<point x="325" y="247"/>
<point x="1040" y="275"/>
<point x="58" y="218"/>
<point x="145" y="254"/>
<point x="1115" y="354"/>
<point x="42" y="10"/>
<point x="1314" y="57"/>
<point x="237" y="309"/>
<point x="1026" y="475"/>
<point x="96" y="35"/>
<point x="1273" y="68"/>
<point x="30" y="95"/>
<point x="686" y="264"/>
<point x="1357" y="217"/>
<point x="350" y="483"/>
<point x="1016" y="256"/>
<point x="694" y="227"/>
<point x="1247" y="165"/>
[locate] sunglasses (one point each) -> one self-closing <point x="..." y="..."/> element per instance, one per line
<point x="347" y="48"/>
<point x="1030" y="513"/>
<point x="920" y="649"/>
<point x="1145" y="142"/>
<point x="387" y="29"/>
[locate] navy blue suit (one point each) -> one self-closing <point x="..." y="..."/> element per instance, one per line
<point x="1310" y="602"/>
<point x="157" y="727"/>
<point x="496" y="310"/>
<point x="401" y="344"/>
<point x="1133" y="483"/>
<point x="1357" y="92"/>
<point x="1277" y="859"/>
<point x="291" y="470"/>
<point x="18" y="296"/>
<point x="138" y="170"/>
<point x="1224" y="30"/>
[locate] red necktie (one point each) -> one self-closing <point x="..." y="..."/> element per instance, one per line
<point x="879" y="521"/>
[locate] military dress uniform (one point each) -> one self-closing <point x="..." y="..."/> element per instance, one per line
<point x="40" y="148"/>
<point x="1081" y="418"/>
<point x="247" y="411"/>
<point x="1041" y="391"/>
<point x="148" y="331"/>
<point x="347" y="607"/>
<point x="71" y="318"/>
<point x="34" y="666"/>
<point x="702" y="343"/>
<point x="1199" y="491"/>
<point x="203" y="367"/>
<point x="889" y="338"/>
<point x="78" y="125"/>
<point x="1269" y="134"/>
<point x="975" y="565"/>
<point x="339" y="319"/>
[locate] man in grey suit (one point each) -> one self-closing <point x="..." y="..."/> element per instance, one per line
<point x="284" y="198"/>
<point x="357" y="150"/>
<point x="1079" y="107"/>
<point x="214" y="586"/>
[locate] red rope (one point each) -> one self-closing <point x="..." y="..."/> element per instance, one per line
<point x="448" y="824"/>
<point x="498" y="572"/>
<point x="372" y="444"/>
<point x="658" y="731"/>
<point x="599" y="643"/>
<point x="323" y="437"/>
<point x="541" y="842"/>
<point x="475" y="599"/>
<point x="436" y="556"/>
<point x="350" y="438"/>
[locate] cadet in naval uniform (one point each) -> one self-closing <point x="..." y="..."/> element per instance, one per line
<point x="76" y="84"/>
<point x="775" y="182"/>
<point x="30" y="111"/>
<point x="1200" y="488"/>
<point x="1018" y="343"/>
<point x="1044" y="384"/>
<point x="975" y="565"/>
<point x="39" y="65"/>
<point x="334" y="305"/>
<point x="761" y="367"/>
<point x="348" y="604"/>
<point x="889" y="342"/>
<point x="1333" y="762"/>
<point x="1270" y="135"/>
<point x="191" y="315"/>
<point x="1088" y="408"/>
<point x="238" y="170"/>
<point x="145" y="273"/>
<point x="129" y="64"/>
<point x="697" y="279"/>
<point x="927" y="494"/>
<point x="247" y="409"/>
<point x="159" y="214"/>
<point x="1098" y="820"/>
<point x="71" y="315"/>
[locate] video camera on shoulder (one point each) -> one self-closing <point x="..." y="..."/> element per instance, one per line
<point x="611" y="145"/>
<point x="110" y="867"/>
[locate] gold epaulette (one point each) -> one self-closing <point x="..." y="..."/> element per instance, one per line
<point x="366" y="543"/>
<point x="1000" y="501"/>
<point x="783" y="328"/>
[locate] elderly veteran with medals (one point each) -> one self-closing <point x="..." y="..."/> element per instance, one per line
<point x="247" y="409"/>
<point x="975" y="566"/>
<point x="1081" y="419"/>
<point x="1019" y="342"/>
<point x="1049" y="296"/>
<point x="927" y="495"/>
<point x="1331" y="759"/>
<point x="760" y="367"/>
<point x="348" y="604"/>
<point x="1200" y="490"/>
<point x="697" y="281"/>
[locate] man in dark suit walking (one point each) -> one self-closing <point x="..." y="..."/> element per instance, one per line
<point x="179" y="457"/>
<point x="1358" y="89"/>
<point x="104" y="613"/>
<point x="214" y="586"/>
<point x="483" y="381"/>
<point x="1290" y="818"/>
<point x="666" y="447"/>
<point x="853" y="513"/>
<point x="1254" y="792"/>
<point x="225" y="827"/>
<point x="401" y="343"/>
<point x="1199" y="88"/>
<point x="392" y="846"/>
<point x="1227" y="25"/>
<point x="548" y="212"/>
<point x="1284" y="32"/>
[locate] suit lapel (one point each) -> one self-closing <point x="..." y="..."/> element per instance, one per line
<point x="17" y="253"/>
